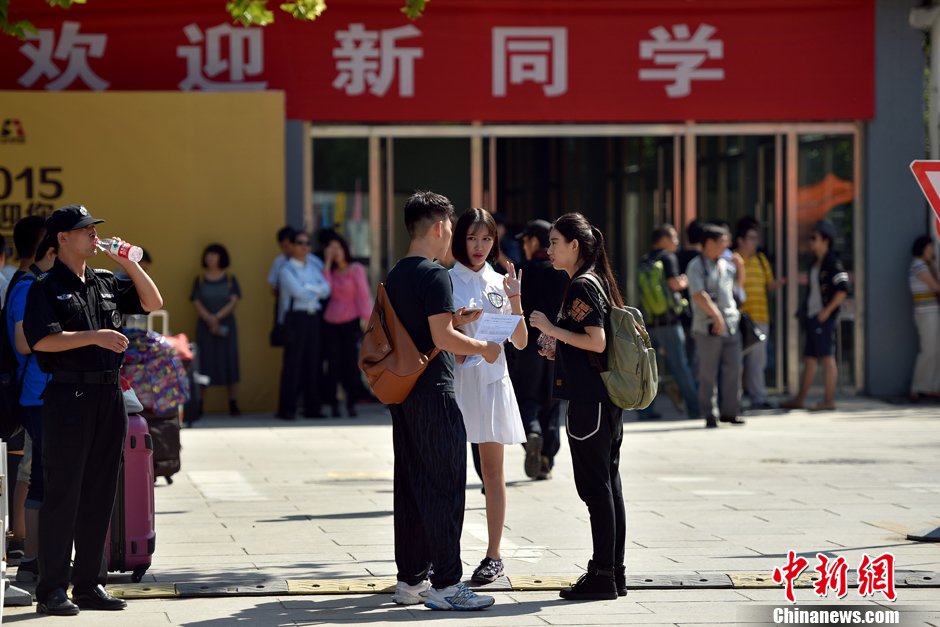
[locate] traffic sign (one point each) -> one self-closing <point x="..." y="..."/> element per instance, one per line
<point x="927" y="174"/>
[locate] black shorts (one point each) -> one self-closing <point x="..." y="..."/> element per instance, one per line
<point x="820" y="337"/>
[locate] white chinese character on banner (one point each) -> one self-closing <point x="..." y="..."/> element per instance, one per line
<point x="536" y="55"/>
<point x="72" y="48"/>
<point x="243" y="56"/>
<point x="684" y="53"/>
<point x="359" y="63"/>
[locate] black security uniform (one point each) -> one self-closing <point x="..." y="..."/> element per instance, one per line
<point x="84" y="421"/>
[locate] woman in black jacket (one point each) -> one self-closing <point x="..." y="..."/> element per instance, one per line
<point x="577" y="342"/>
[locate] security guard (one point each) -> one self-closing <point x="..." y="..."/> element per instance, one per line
<point x="72" y="321"/>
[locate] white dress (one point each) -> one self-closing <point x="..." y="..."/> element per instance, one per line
<point x="484" y="391"/>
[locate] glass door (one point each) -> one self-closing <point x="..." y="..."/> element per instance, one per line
<point x="438" y="164"/>
<point x="341" y="192"/>
<point x="737" y="177"/>
<point x="624" y="185"/>
<point x="827" y="189"/>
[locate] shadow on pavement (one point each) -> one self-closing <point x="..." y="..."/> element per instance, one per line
<point x="356" y="515"/>
<point x="359" y="610"/>
<point x="827" y="552"/>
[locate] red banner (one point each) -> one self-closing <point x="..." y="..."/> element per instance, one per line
<point x="486" y="60"/>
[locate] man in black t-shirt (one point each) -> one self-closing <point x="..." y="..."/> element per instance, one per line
<point x="429" y="438"/>
<point x="666" y="330"/>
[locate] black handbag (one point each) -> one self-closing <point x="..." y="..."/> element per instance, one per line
<point x="279" y="335"/>
<point x="751" y="334"/>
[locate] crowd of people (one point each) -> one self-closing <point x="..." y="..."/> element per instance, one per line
<point x="707" y="307"/>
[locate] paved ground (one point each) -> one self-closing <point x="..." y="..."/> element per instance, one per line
<point x="306" y="507"/>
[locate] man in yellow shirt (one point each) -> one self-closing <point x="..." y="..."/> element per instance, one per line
<point x="758" y="282"/>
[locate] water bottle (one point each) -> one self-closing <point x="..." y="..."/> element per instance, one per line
<point x="121" y="249"/>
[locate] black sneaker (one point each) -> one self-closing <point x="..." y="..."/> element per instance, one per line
<point x="545" y="472"/>
<point x="488" y="571"/>
<point x="620" y="579"/>
<point x="28" y="571"/>
<point x="533" y="455"/>
<point x="594" y="585"/>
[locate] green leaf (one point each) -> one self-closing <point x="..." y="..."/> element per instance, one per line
<point x="414" y="8"/>
<point x="19" y="29"/>
<point x="64" y="4"/>
<point x="305" y="9"/>
<point x="250" y="12"/>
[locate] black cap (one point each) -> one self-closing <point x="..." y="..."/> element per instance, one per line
<point x="826" y="229"/>
<point x="69" y="218"/>
<point x="537" y="228"/>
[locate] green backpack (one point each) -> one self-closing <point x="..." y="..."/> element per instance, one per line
<point x="656" y="299"/>
<point x="632" y="377"/>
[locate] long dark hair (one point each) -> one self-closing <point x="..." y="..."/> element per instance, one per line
<point x="592" y="252"/>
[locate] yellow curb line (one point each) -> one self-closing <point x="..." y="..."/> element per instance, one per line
<point x="375" y="585"/>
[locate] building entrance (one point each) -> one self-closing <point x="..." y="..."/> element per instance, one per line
<point x="627" y="179"/>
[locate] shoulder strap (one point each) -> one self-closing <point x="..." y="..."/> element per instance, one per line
<point x="385" y="309"/>
<point x="764" y="262"/>
<point x="703" y="260"/>
<point x="597" y="283"/>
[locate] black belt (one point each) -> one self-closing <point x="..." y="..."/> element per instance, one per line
<point x="97" y="377"/>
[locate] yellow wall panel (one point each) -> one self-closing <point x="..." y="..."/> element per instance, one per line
<point x="171" y="172"/>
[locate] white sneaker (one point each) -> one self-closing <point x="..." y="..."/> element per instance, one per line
<point x="457" y="597"/>
<point x="411" y="595"/>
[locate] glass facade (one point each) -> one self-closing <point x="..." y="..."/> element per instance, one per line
<point x="826" y="180"/>
<point x="627" y="180"/>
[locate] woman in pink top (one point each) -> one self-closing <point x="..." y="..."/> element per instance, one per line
<point x="350" y="303"/>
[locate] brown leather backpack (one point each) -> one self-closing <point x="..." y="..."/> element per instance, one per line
<point x="388" y="355"/>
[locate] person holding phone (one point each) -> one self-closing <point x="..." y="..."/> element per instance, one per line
<point x="594" y="424"/>
<point x="484" y="391"/>
<point x="428" y="433"/>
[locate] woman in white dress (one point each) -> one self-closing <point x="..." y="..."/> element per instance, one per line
<point x="484" y="391"/>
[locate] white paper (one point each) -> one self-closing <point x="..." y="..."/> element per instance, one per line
<point x="491" y="328"/>
<point x="496" y="327"/>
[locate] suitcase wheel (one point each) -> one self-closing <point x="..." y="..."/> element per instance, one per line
<point x="138" y="574"/>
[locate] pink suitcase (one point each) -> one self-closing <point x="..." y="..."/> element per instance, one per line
<point x="132" y="538"/>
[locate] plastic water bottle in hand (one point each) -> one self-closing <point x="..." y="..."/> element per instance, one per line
<point x="121" y="249"/>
